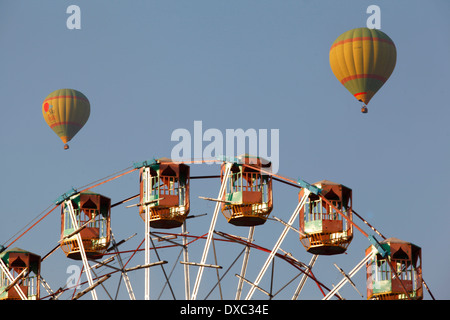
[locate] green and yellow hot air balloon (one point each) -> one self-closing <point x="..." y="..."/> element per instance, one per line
<point x="362" y="59"/>
<point x="66" y="111"/>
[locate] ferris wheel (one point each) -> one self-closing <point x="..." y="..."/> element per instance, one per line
<point x="323" y="220"/>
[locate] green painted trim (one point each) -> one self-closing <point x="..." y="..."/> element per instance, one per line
<point x="313" y="226"/>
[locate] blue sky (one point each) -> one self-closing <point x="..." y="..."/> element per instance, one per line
<point x="151" y="67"/>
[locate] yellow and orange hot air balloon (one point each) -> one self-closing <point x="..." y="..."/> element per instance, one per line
<point x="362" y="59"/>
<point x="66" y="111"/>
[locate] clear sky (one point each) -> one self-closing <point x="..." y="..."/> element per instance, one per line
<point x="151" y="67"/>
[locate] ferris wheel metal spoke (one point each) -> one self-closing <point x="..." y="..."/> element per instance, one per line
<point x="46" y="286"/>
<point x="210" y="232"/>
<point x="91" y="287"/>
<point x="350" y="274"/>
<point x="170" y="274"/>
<point x="101" y="283"/>
<point x="278" y="243"/>
<point x="251" y="233"/>
<point x="163" y="269"/>
<point x="123" y="275"/>
<point x="147" y="253"/>
<point x="305" y="277"/>
<point x="348" y="279"/>
<point x="254" y="285"/>
<point x="187" y="280"/>
<point x="225" y="273"/>
<point x="288" y="283"/>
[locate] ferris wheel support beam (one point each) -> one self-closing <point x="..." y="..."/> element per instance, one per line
<point x="255" y="286"/>
<point x="101" y="284"/>
<point x="162" y="268"/>
<point x="251" y="232"/>
<point x="187" y="280"/>
<point x="46" y="286"/>
<point x="225" y="273"/>
<point x="305" y="277"/>
<point x="82" y="252"/>
<point x="349" y="279"/>
<point x="147" y="253"/>
<point x="146" y="207"/>
<point x="91" y="288"/>
<point x="278" y="243"/>
<point x="350" y="274"/>
<point x="126" y="279"/>
<point x="211" y="231"/>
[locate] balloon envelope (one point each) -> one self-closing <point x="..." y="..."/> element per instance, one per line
<point x="66" y="111"/>
<point x="362" y="59"/>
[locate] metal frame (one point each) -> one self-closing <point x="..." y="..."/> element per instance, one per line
<point x="124" y="274"/>
<point x="278" y="244"/>
<point x="307" y="270"/>
<point x="211" y="232"/>
<point x="147" y="252"/>
<point x="304" y="278"/>
<point x="244" y="263"/>
<point x="187" y="281"/>
<point x="347" y="278"/>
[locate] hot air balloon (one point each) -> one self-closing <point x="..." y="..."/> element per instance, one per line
<point x="66" y="111"/>
<point x="362" y="59"/>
